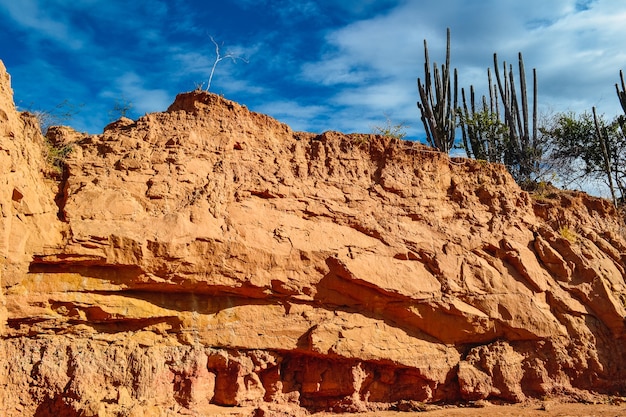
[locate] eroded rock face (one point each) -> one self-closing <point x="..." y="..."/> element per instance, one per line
<point x="209" y="255"/>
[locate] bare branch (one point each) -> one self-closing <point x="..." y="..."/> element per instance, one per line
<point x="218" y="58"/>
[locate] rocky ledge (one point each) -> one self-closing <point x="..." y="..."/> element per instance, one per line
<point x="210" y="256"/>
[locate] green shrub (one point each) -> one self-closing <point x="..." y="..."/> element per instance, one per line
<point x="391" y="130"/>
<point x="568" y="234"/>
<point x="56" y="155"/>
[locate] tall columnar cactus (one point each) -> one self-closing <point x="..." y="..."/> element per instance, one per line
<point x="436" y="106"/>
<point x="621" y="94"/>
<point x="523" y="145"/>
<point x="484" y="134"/>
<point x="602" y="138"/>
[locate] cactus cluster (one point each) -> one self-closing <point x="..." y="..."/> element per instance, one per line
<point x="508" y="137"/>
<point x="438" y="112"/>
<point x="501" y="129"/>
<point x="483" y="133"/>
<point x="523" y="147"/>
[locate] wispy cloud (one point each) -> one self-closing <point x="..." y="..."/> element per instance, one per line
<point x="130" y="86"/>
<point x="42" y="22"/>
<point x="582" y="5"/>
<point x="315" y="64"/>
<point x="575" y="46"/>
<point x="302" y="117"/>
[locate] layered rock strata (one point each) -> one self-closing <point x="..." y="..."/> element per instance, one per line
<point x="211" y="256"/>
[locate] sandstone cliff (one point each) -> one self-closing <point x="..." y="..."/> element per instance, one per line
<point x="211" y="256"/>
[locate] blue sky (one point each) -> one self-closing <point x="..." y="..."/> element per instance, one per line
<point x="316" y="65"/>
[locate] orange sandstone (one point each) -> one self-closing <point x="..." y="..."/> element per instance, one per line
<point x="210" y="256"/>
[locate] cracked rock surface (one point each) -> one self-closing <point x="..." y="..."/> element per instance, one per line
<point x="210" y="256"/>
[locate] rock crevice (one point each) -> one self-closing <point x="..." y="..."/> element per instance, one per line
<point x="209" y="255"/>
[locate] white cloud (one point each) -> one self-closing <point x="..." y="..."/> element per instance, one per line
<point x="43" y="22"/>
<point x="297" y="116"/>
<point x="333" y="71"/>
<point x="377" y="97"/>
<point x="130" y="86"/>
<point x="192" y="62"/>
<point x="577" y="47"/>
<point x="361" y="70"/>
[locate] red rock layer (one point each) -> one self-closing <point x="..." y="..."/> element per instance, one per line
<point x="209" y="255"/>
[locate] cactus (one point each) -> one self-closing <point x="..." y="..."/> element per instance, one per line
<point x="506" y="137"/>
<point x="602" y="138"/>
<point x="484" y="134"/>
<point x="523" y="145"/>
<point x="436" y="107"/>
<point x="472" y="138"/>
<point x="621" y="94"/>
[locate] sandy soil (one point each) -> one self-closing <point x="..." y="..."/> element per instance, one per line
<point x="607" y="407"/>
<point x="541" y="409"/>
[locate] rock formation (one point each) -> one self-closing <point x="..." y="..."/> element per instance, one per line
<point x="210" y="256"/>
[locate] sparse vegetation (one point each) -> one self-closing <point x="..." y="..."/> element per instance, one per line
<point x="568" y="234"/>
<point x="58" y="115"/>
<point x="621" y="94"/>
<point x="360" y="139"/>
<point x="120" y="109"/>
<point x="504" y="128"/>
<point x="484" y="135"/>
<point x="587" y="147"/>
<point x="542" y="190"/>
<point x="523" y="151"/>
<point x="56" y="155"/>
<point x="508" y="137"/>
<point x="391" y="129"/>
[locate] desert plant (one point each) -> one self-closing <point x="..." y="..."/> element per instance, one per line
<point x="542" y="190"/>
<point x="568" y="154"/>
<point x="568" y="234"/>
<point x="485" y="136"/>
<point x="621" y="94"/>
<point x="56" y="155"/>
<point x="218" y="58"/>
<point x="390" y="129"/>
<point x="505" y="136"/>
<point x="587" y="147"/>
<point x="121" y="108"/>
<point x="602" y="137"/>
<point x="438" y="111"/>
<point x="58" y="115"/>
<point x="524" y="149"/>
<point x="360" y="139"/>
